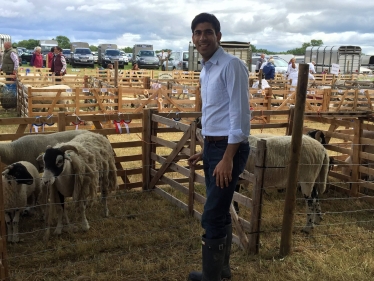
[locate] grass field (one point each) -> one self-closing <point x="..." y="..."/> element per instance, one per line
<point x="146" y="238"/>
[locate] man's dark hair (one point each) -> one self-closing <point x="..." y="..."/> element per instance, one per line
<point x="52" y="49"/>
<point x="205" y="17"/>
<point x="59" y="48"/>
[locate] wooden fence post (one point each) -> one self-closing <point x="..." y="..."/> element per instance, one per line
<point x="61" y="122"/>
<point x="191" y="180"/>
<point x="255" y="226"/>
<point x="115" y="74"/>
<point x="296" y="141"/>
<point x="146" y="147"/>
<point x="291" y="116"/>
<point x="357" y="132"/>
<point x="4" y="271"/>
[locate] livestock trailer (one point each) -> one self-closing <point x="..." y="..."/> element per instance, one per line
<point x="4" y="38"/>
<point x="241" y="50"/>
<point x="367" y="61"/>
<point x="348" y="57"/>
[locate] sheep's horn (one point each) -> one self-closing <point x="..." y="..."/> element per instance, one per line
<point x="69" y="147"/>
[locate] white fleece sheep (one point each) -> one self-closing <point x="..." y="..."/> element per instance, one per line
<point x="21" y="186"/>
<point x="77" y="169"/>
<point x="28" y="148"/>
<point x="313" y="170"/>
<point x="51" y="95"/>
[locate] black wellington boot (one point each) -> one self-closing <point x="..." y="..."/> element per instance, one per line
<point x="226" y="272"/>
<point x="213" y="256"/>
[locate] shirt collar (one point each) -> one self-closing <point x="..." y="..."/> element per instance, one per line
<point x="214" y="58"/>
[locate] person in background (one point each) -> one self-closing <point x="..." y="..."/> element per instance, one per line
<point x="10" y="61"/>
<point x="293" y="71"/>
<point x="135" y="66"/>
<point x="269" y="69"/>
<point x="50" y="57"/>
<point x="59" y="63"/>
<point x="259" y="62"/>
<point x="225" y="127"/>
<point x="37" y="58"/>
<point x="311" y="67"/>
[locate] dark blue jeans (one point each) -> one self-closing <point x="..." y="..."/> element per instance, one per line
<point x="217" y="206"/>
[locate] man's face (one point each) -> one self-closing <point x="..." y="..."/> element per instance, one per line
<point x="206" y="40"/>
<point x="7" y="45"/>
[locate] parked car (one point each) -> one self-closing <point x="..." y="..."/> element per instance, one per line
<point x="67" y="55"/>
<point x="280" y="64"/>
<point x="125" y="57"/>
<point x="112" y="55"/>
<point x="26" y="56"/>
<point x="82" y="56"/>
<point x="95" y="56"/>
<point x="129" y="56"/>
<point x="178" y="60"/>
<point x="147" y="59"/>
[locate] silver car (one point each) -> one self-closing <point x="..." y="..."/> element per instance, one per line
<point x="147" y="59"/>
<point x="178" y="60"/>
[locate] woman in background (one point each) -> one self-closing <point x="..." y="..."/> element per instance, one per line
<point x="37" y="58"/>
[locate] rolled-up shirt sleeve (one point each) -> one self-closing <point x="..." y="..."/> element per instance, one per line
<point x="15" y="60"/>
<point x="239" y="113"/>
<point x="63" y="61"/>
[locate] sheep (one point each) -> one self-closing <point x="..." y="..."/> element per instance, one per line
<point x="75" y="169"/>
<point x="28" y="148"/>
<point x="51" y="95"/>
<point x="313" y="170"/>
<point x="21" y="186"/>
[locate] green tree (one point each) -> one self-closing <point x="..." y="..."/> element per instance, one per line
<point x="63" y="42"/>
<point x="28" y="44"/>
<point x="315" y="42"/>
<point x="127" y="49"/>
<point x="93" y="48"/>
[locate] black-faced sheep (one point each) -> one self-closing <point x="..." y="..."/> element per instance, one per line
<point x="77" y="169"/>
<point x="21" y="186"/>
<point x="313" y="170"/>
<point x="28" y="148"/>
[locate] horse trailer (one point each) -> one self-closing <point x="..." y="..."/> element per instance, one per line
<point x="242" y="50"/>
<point x="348" y="58"/>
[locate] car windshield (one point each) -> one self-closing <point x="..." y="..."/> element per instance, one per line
<point x="112" y="53"/>
<point x="66" y="52"/>
<point x="146" y="53"/>
<point x="83" y="51"/>
<point x="280" y="63"/>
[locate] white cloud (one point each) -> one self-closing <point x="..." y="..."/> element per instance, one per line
<point x="275" y="25"/>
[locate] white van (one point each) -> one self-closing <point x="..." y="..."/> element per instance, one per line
<point x="178" y="60"/>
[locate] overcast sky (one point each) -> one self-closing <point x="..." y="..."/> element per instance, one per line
<point x="270" y="24"/>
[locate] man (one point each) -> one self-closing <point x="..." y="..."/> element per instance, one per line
<point x="311" y="67"/>
<point x="225" y="127"/>
<point x="269" y="69"/>
<point x="59" y="63"/>
<point x="260" y="62"/>
<point x="10" y="61"/>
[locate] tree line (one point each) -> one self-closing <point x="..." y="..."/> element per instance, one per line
<point x="64" y="42"/>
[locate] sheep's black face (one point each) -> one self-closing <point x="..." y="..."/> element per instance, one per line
<point x="54" y="161"/>
<point x="20" y="173"/>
